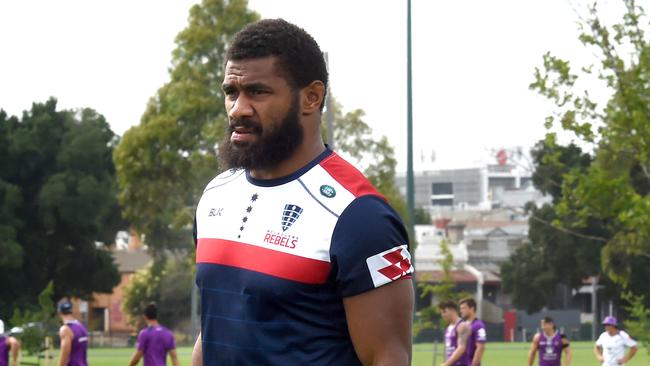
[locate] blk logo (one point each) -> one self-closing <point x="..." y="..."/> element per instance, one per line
<point x="399" y="265"/>
<point x="290" y="214"/>
<point x="215" y="212"/>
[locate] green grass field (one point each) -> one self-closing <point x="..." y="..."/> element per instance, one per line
<point x="497" y="354"/>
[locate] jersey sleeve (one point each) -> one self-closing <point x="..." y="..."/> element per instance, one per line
<point x="171" y="342"/>
<point x="627" y="340"/>
<point x="141" y="343"/>
<point x="599" y="341"/>
<point x="481" y="334"/>
<point x="369" y="247"/>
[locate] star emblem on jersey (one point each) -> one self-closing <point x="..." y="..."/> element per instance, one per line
<point x="244" y="219"/>
<point x="390" y="265"/>
<point x="290" y="214"/>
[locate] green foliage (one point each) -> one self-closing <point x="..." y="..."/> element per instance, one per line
<point x="444" y="290"/>
<point x="374" y="156"/>
<point x="638" y="324"/>
<point x="164" y="162"/>
<point x="168" y="284"/>
<point x="57" y="205"/>
<point x="552" y="256"/>
<point x="615" y="189"/>
<point x="422" y="217"/>
<point x="36" y="324"/>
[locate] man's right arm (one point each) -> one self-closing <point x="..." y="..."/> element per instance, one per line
<point x="598" y="352"/>
<point x="197" y="352"/>
<point x="533" y="350"/>
<point x="66" y="345"/>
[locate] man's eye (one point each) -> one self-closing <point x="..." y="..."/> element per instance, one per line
<point x="258" y="92"/>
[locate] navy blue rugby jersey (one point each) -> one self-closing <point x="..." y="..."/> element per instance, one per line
<point x="276" y="257"/>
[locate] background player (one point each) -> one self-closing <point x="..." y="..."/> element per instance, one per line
<point x="612" y="343"/>
<point x="550" y="343"/>
<point x="74" y="338"/>
<point x="154" y="341"/>
<point x="477" y="336"/>
<point x="456" y="335"/>
<point x="8" y="346"/>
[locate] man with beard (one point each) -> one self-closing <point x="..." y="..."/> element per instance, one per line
<point x="300" y="261"/>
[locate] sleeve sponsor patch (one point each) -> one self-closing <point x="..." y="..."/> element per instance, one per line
<point x="390" y="265"/>
<point x="481" y="335"/>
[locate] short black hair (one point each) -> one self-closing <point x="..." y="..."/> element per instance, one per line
<point x="299" y="56"/>
<point x="447" y="304"/>
<point x="548" y="319"/>
<point x="151" y="311"/>
<point x="469" y="302"/>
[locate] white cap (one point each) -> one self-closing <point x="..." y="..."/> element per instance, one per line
<point x="2" y="327"/>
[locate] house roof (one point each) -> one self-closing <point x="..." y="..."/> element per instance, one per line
<point x="131" y="260"/>
<point x="458" y="276"/>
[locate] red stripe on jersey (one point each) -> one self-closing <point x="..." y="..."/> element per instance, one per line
<point x="348" y="176"/>
<point x="262" y="260"/>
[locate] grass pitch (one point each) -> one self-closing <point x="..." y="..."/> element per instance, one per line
<point x="496" y="354"/>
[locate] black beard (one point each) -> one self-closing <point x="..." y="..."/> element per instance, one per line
<point x="274" y="145"/>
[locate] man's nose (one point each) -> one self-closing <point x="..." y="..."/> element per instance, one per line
<point x="240" y="108"/>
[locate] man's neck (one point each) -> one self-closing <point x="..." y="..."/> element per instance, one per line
<point x="471" y="318"/>
<point x="301" y="157"/>
<point x="152" y="323"/>
<point x="68" y="318"/>
<point x="549" y="333"/>
<point x="454" y="320"/>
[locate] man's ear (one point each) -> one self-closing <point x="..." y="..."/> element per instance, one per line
<point x="312" y="97"/>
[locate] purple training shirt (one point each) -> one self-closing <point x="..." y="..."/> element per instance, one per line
<point x="4" y="351"/>
<point x="477" y="335"/>
<point x="451" y="343"/>
<point x="550" y="349"/>
<point x="79" y="344"/>
<point x="154" y="343"/>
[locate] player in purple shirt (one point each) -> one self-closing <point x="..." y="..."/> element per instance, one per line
<point x="154" y="341"/>
<point x="8" y="345"/>
<point x="550" y="344"/>
<point x="74" y="338"/>
<point x="477" y="335"/>
<point x="456" y="335"/>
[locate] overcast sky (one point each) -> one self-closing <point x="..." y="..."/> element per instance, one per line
<point x="472" y="62"/>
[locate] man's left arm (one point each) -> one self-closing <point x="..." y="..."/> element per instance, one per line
<point x="379" y="322"/>
<point x="630" y="354"/>
<point x="480" y="349"/>
<point x="567" y="351"/>
<point x="631" y="344"/>
<point x="174" y="357"/>
<point x="481" y="338"/>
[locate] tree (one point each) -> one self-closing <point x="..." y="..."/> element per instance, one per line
<point x="57" y="205"/>
<point x="552" y="256"/>
<point x="614" y="190"/>
<point x="375" y="157"/>
<point x="167" y="285"/>
<point x="38" y="323"/>
<point x="164" y="162"/>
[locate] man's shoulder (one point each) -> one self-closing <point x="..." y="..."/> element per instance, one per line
<point x="348" y="176"/>
<point x="224" y="178"/>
